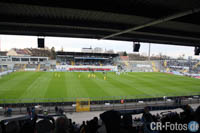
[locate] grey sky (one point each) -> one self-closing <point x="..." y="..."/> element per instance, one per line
<point x="75" y="44"/>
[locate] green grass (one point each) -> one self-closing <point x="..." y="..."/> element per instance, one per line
<point x="40" y="86"/>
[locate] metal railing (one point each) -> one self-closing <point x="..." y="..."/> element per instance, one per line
<point x="21" y="108"/>
<point x="103" y="99"/>
<point x="102" y="103"/>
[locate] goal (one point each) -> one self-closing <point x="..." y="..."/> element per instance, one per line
<point x="82" y="104"/>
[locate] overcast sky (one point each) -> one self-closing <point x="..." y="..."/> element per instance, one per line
<point x="75" y="44"/>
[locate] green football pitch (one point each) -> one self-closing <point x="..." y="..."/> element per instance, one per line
<point x="36" y="86"/>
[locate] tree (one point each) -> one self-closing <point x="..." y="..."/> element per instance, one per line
<point x="53" y="53"/>
<point x="124" y="54"/>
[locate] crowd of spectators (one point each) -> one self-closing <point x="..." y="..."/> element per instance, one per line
<point x="88" y="62"/>
<point x="178" y="65"/>
<point x="108" y="122"/>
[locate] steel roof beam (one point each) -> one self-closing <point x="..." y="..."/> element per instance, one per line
<point x="158" y="21"/>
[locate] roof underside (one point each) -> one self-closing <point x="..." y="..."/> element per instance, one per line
<point x="100" y="18"/>
<point x="59" y="53"/>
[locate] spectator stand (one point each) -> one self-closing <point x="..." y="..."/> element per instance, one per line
<point x="111" y="121"/>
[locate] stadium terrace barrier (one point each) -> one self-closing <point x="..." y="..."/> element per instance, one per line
<point x="101" y="103"/>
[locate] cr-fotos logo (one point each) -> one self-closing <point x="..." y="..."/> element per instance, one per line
<point x="193" y="126"/>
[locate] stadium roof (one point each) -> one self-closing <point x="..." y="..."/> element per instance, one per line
<point x="60" y="53"/>
<point x="157" y="21"/>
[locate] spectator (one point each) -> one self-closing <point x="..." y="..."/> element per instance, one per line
<point x="45" y="112"/>
<point x="111" y="119"/>
<point x="102" y="129"/>
<point x="44" y="126"/>
<point x="56" y="109"/>
<point x="82" y="127"/>
<point x="188" y="114"/>
<point x="28" y="111"/>
<point x="28" y="127"/>
<point x="0" y="129"/>
<point x="12" y="127"/>
<point x="70" y="125"/>
<point x="197" y="114"/>
<point x="8" y="111"/>
<point x="147" y="118"/>
<point x="74" y="127"/>
<point x="94" y="124"/>
<point x="62" y="125"/>
<point x="60" y="111"/>
<point x="127" y="120"/>
<point x="33" y="112"/>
